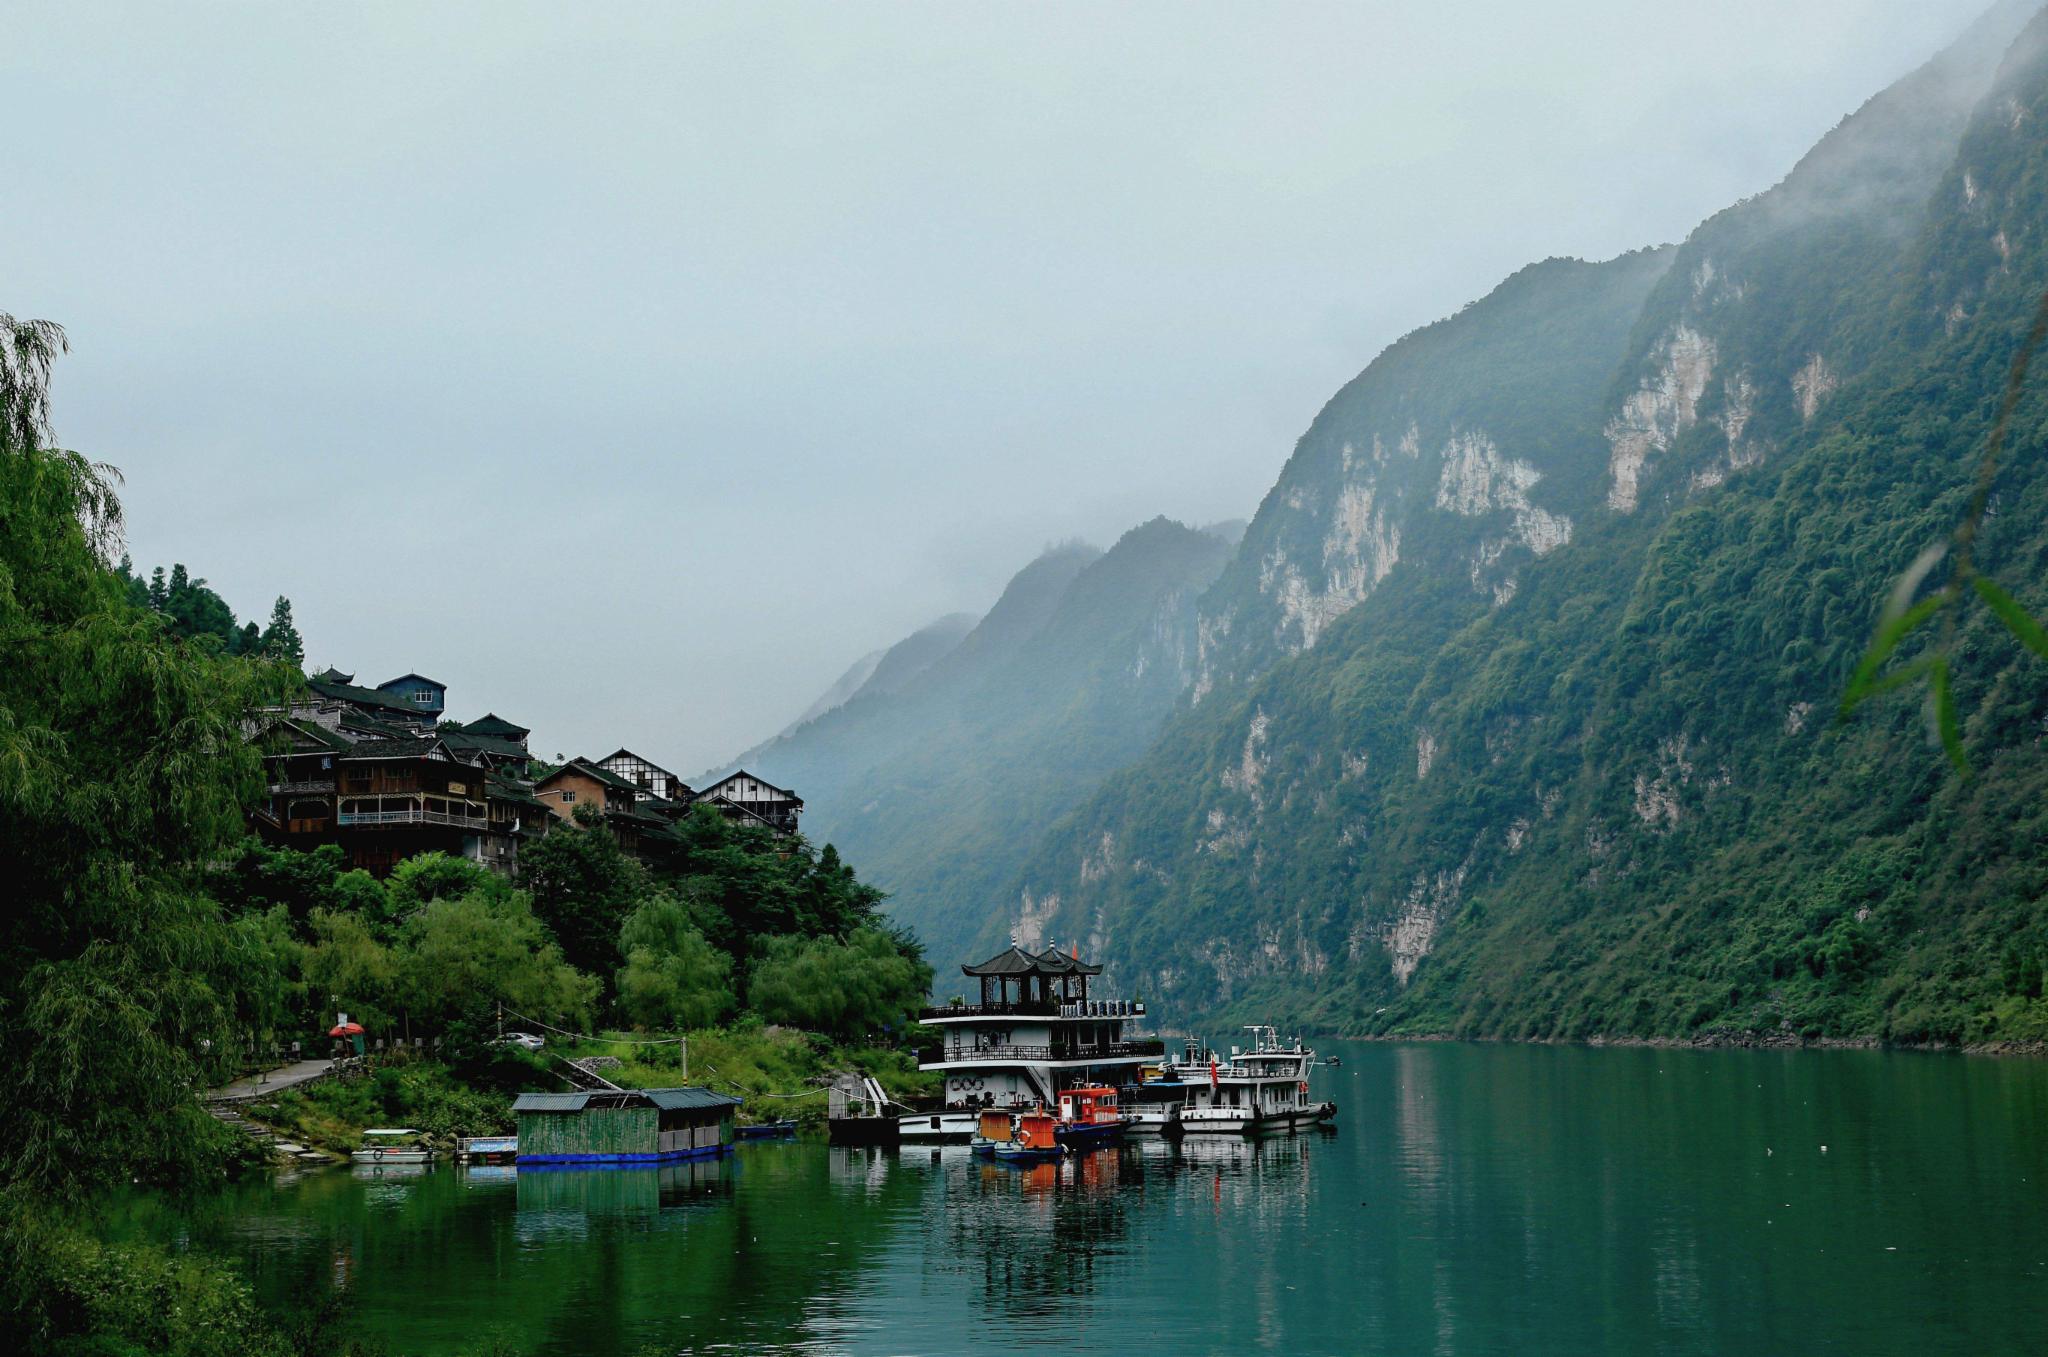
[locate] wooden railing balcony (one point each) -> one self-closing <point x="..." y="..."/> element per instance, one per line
<point x="375" y="818"/>
<point x="295" y="788"/>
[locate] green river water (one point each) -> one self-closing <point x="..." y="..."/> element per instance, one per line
<point x="1474" y="1199"/>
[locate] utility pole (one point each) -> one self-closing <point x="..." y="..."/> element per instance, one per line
<point x="501" y="1019"/>
<point x="684" y="1042"/>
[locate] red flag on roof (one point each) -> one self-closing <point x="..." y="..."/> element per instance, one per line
<point x="1212" y="1071"/>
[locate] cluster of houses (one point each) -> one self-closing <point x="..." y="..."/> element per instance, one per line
<point x="382" y="773"/>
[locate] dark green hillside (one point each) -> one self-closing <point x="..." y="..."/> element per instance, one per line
<point x="1617" y="800"/>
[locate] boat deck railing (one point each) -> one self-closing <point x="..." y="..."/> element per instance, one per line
<point x="1049" y="1008"/>
<point x="1108" y="1050"/>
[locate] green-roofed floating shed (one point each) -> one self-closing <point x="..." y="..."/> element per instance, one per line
<point x="624" y="1126"/>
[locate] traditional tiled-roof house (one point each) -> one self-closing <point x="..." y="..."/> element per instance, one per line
<point x="653" y="780"/>
<point x="742" y="796"/>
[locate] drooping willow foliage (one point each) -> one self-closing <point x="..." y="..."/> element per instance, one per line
<point x="122" y="766"/>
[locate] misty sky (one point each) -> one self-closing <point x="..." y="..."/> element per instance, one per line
<point x="632" y="369"/>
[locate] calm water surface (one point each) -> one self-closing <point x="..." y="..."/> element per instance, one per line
<point x="1475" y="1199"/>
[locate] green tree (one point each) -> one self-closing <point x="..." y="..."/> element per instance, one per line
<point x="426" y="877"/>
<point x="122" y="768"/>
<point x="848" y="989"/>
<point x="348" y="969"/>
<point x="583" y="887"/>
<point x="673" y="976"/>
<point x="281" y="638"/>
<point x="461" y="957"/>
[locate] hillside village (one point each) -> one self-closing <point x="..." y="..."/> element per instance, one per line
<point x="381" y="772"/>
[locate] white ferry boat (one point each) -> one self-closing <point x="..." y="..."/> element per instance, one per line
<point x="393" y="1145"/>
<point x="1035" y="1034"/>
<point x="1248" y="1091"/>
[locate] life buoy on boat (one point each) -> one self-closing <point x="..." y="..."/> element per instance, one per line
<point x="1304" y="1088"/>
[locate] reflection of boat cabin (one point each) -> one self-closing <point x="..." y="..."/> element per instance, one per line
<point x="623" y="1125"/>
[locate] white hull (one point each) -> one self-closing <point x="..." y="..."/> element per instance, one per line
<point x="938" y="1128"/>
<point x="1233" y="1121"/>
<point x="392" y="1156"/>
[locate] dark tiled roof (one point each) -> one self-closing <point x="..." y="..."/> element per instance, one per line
<point x="496" y="747"/>
<point x="332" y="675"/>
<point x="604" y="775"/>
<point x="421" y="677"/>
<point x="713" y="789"/>
<point x="309" y="731"/>
<point x="1014" y="960"/>
<point x="490" y="723"/>
<point x="652" y="765"/>
<point x="362" y="697"/>
<point x="504" y="789"/>
<point x="382" y="730"/>
<point x="394" y="749"/>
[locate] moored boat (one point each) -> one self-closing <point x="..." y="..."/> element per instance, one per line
<point x="1035" y="1034"/>
<point x="1250" y="1091"/>
<point x="1035" y="1136"/>
<point x="1152" y="1108"/>
<point x="393" y="1145"/>
<point x="1089" y="1117"/>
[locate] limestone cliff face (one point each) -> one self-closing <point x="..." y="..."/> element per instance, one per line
<point x="1771" y="304"/>
<point x="1529" y="644"/>
<point x="1472" y="445"/>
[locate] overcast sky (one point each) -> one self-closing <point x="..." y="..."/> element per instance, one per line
<point x="632" y="369"/>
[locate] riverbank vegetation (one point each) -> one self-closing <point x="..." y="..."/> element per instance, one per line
<point x="152" y="951"/>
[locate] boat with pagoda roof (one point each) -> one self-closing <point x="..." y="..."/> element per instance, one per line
<point x="1035" y="1039"/>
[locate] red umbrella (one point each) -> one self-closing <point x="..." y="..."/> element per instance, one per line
<point x="347" y="1029"/>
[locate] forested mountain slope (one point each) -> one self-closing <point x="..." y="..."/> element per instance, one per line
<point x="1516" y="710"/>
<point x="938" y="781"/>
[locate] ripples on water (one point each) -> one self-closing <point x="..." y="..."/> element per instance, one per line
<point x="1476" y="1199"/>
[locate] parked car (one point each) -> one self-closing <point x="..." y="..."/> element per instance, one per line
<point x="526" y="1041"/>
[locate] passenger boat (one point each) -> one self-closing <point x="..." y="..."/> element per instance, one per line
<point x="392" y="1145"/>
<point x="1034" y="1136"/>
<point x="1035" y="1035"/>
<point x="1153" y="1107"/>
<point x="767" y="1130"/>
<point x="1250" y="1091"/>
<point x="1089" y="1117"/>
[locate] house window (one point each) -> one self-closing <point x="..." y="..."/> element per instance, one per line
<point x="567" y="797"/>
<point x="423" y="698"/>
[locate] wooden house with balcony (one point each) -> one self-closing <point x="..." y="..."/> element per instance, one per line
<point x="644" y="826"/>
<point x="655" y="782"/>
<point x="401" y="797"/>
<point x="741" y="796"/>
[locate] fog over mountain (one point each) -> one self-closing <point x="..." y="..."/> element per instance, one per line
<point x="635" y="371"/>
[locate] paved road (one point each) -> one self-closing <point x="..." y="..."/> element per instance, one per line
<point x="273" y="1081"/>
